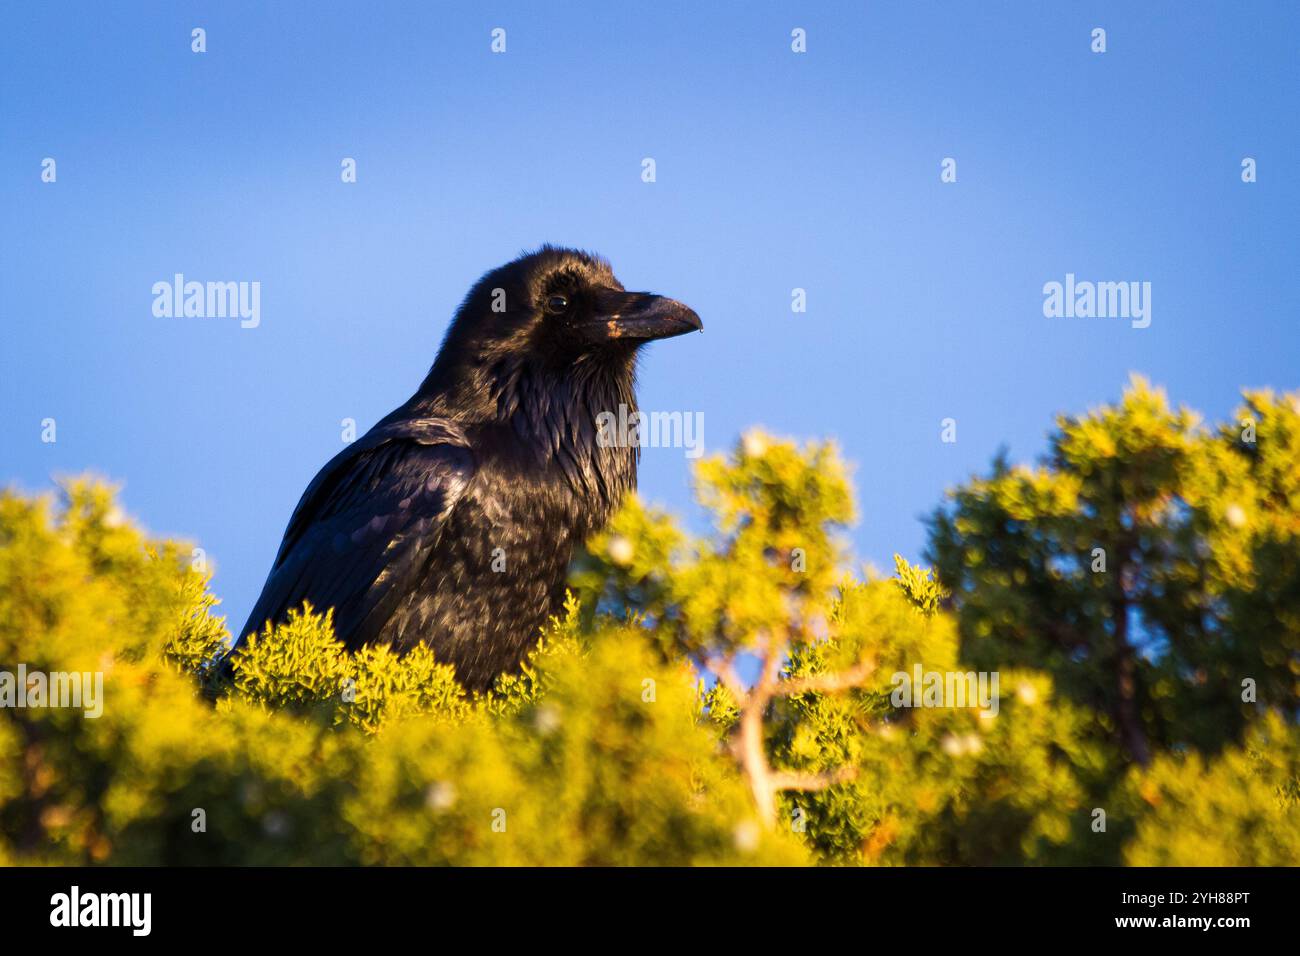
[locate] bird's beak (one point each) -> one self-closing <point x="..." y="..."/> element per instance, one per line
<point x="639" y="317"/>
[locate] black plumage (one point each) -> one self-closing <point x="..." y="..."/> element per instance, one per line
<point x="452" y="522"/>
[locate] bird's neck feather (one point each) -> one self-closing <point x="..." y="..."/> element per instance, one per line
<point x="549" y="413"/>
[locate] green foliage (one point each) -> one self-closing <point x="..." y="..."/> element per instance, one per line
<point x="934" y="785"/>
<point x="301" y="667"/>
<point x="608" y="767"/>
<point x="718" y="698"/>
<point x="1199" y="534"/>
<point x="924" y="591"/>
<point x="312" y="755"/>
<point x="1239" y="808"/>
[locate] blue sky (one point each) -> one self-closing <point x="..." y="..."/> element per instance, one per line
<point x="775" y="170"/>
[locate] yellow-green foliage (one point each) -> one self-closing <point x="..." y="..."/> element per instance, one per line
<point x="301" y="667"/>
<point x="615" y="744"/>
<point x="311" y="755"/>
<point x="1239" y="808"/>
<point x="1199" y="533"/>
<point x="608" y="767"/>
<point x="936" y="785"/>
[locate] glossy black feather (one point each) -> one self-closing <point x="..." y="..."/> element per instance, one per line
<point x="366" y="524"/>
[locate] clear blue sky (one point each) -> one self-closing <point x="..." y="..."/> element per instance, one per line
<point x="775" y="171"/>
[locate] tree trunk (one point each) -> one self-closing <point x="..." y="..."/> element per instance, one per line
<point x="1127" y="713"/>
<point x="754" y="761"/>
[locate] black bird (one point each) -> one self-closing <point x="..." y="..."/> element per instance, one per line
<point x="452" y="522"/>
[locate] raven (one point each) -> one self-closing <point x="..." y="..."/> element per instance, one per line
<point x="452" y="522"/>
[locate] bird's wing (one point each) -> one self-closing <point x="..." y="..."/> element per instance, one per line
<point x="366" y="525"/>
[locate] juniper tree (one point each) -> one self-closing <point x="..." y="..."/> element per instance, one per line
<point x="713" y="697"/>
<point x="1148" y="562"/>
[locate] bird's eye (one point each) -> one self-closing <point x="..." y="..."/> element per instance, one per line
<point x="556" y="304"/>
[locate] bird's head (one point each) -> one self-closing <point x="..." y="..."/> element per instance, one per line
<point x="560" y="305"/>
<point x="553" y="313"/>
